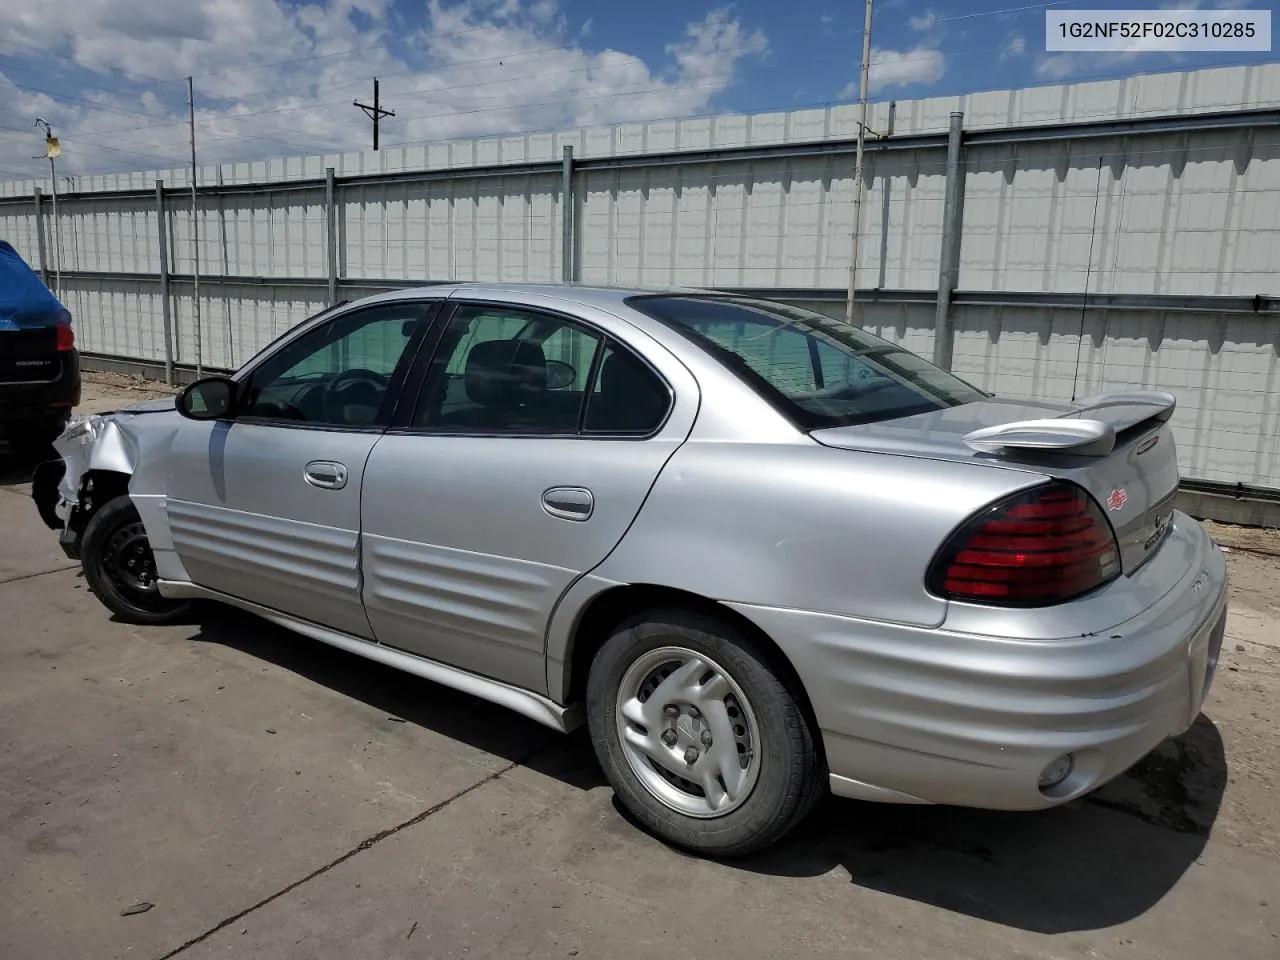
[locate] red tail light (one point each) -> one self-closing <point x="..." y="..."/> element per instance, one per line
<point x="1036" y="548"/>
<point x="66" y="337"/>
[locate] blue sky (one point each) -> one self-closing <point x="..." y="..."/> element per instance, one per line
<point x="815" y="45"/>
<point x="277" y="77"/>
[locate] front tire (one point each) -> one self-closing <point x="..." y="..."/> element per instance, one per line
<point x="700" y="739"/>
<point x="120" y="568"/>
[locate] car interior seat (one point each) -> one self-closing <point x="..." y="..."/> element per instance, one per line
<point x="630" y="399"/>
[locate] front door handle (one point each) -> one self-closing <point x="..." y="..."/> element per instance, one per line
<point x="327" y="474"/>
<point x="568" y="503"/>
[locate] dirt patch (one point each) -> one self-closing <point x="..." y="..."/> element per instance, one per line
<point x="104" y="392"/>
<point x="1244" y="703"/>
<point x="96" y="382"/>
<point x="1255" y="539"/>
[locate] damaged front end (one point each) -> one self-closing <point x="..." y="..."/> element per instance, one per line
<point x="98" y="455"/>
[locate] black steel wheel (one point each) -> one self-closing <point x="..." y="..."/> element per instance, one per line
<point x="121" y="569"/>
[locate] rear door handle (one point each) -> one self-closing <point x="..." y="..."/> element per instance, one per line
<point x="568" y="503"/>
<point x="327" y="474"/>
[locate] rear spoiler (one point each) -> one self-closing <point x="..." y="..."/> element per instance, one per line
<point x="1075" y="434"/>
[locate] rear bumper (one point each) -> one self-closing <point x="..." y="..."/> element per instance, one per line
<point x="943" y="716"/>
<point x="46" y="399"/>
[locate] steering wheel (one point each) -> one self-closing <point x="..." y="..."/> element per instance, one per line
<point x="377" y="382"/>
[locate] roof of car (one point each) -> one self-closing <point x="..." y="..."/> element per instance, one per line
<point x="600" y="296"/>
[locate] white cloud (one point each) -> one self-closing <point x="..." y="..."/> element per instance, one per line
<point x="275" y="78"/>
<point x="1015" y="45"/>
<point x="925" y="21"/>
<point x="900" y="68"/>
<point x="1061" y="66"/>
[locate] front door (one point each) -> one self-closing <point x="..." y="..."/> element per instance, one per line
<point x="265" y="507"/>
<point x="532" y="447"/>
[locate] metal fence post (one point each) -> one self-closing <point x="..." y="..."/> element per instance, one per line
<point x="331" y="232"/>
<point x="566" y="216"/>
<point x="949" y="259"/>
<point x="886" y="181"/>
<point x="40" y="248"/>
<point x="164" y="284"/>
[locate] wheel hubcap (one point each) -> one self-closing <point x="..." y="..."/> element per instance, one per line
<point x="130" y="564"/>
<point x="688" y="732"/>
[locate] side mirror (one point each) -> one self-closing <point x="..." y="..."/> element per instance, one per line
<point x="209" y="399"/>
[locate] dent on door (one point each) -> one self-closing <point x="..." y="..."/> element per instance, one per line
<point x="469" y="542"/>
<point x="249" y="519"/>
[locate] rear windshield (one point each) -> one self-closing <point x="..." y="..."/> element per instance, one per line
<point x="818" y="371"/>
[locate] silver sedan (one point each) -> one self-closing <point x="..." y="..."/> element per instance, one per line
<point x="761" y="553"/>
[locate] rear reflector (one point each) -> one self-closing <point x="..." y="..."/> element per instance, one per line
<point x="66" y="337"/>
<point x="1036" y="548"/>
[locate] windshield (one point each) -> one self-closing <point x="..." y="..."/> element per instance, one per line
<point x="818" y="371"/>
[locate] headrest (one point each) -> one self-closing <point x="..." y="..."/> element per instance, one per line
<point x="505" y="373"/>
<point x="624" y="375"/>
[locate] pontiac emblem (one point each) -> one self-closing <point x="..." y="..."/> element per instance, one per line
<point x="1117" y="499"/>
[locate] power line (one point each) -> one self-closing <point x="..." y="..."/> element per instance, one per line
<point x="247" y="116"/>
<point x="363" y="49"/>
<point x="92" y="105"/>
<point x="425" y="91"/>
<point x="567" y="98"/>
<point x="996" y="13"/>
<point x="45" y="52"/>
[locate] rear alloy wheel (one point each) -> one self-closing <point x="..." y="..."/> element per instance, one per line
<point x="699" y="738"/>
<point x="120" y="568"/>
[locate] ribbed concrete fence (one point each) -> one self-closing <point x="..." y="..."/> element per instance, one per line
<point x="1110" y="234"/>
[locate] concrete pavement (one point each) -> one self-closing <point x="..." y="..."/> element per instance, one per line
<point x="275" y="798"/>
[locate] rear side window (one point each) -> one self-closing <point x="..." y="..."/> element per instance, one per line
<point x="513" y="372"/>
<point x="818" y="371"/>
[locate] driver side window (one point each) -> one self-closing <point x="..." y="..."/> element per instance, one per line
<point x="337" y="374"/>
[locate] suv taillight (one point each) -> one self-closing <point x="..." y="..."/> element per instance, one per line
<point x="1036" y="548"/>
<point x="66" y="337"/>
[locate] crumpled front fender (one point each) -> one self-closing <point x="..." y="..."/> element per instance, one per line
<point x="99" y="443"/>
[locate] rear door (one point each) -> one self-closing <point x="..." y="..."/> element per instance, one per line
<point x="265" y="507"/>
<point x="533" y="445"/>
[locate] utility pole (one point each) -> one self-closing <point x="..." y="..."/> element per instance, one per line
<point x="195" y="231"/>
<point x="375" y="112"/>
<point x="52" y="149"/>
<point x="857" y="165"/>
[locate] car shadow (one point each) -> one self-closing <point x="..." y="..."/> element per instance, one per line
<point x="14" y="471"/>
<point x="406" y="698"/>
<point x="1090" y="864"/>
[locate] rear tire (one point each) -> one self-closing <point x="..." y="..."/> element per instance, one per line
<point x="120" y="569"/>
<point x="700" y="739"/>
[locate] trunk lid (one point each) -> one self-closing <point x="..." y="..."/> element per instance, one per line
<point x="1116" y="445"/>
<point x="28" y="354"/>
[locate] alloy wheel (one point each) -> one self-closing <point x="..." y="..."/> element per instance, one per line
<point x="688" y="732"/>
